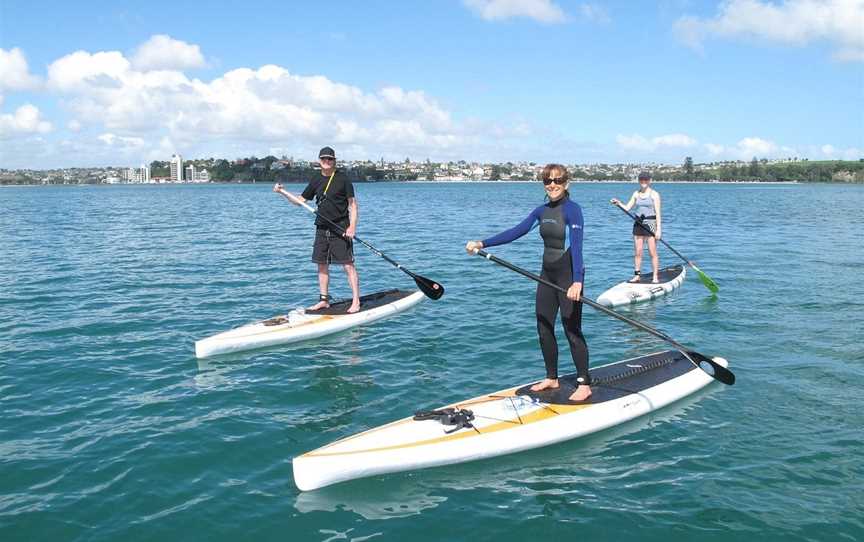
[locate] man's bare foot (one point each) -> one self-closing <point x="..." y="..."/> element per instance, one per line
<point x="582" y="392"/>
<point x="655" y="280"/>
<point x="545" y="384"/>
<point x="355" y="307"/>
<point x="323" y="304"/>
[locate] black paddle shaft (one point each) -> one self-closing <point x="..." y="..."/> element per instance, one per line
<point x="718" y="372"/>
<point x="432" y="289"/>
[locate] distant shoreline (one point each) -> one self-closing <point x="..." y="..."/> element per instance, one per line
<point x="616" y="182"/>
<point x="431" y="182"/>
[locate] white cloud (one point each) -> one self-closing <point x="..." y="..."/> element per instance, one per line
<point x="852" y="153"/>
<point x="849" y="54"/>
<point x="85" y="72"/>
<point x="714" y="149"/>
<point x="594" y="13"/>
<point x="74" y="125"/>
<point x="113" y="140"/>
<point x="249" y="108"/>
<point x="14" y="72"/>
<point x="674" y="140"/>
<point x="744" y="149"/>
<point x="163" y="52"/>
<point x="26" y="120"/>
<point x="754" y="146"/>
<point x="792" y="22"/>
<point x="748" y="148"/>
<point x="544" y="11"/>
<point x="833" y="153"/>
<point x="637" y="142"/>
<point x="634" y="142"/>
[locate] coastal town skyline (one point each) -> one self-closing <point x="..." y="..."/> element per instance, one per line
<point x="289" y="169"/>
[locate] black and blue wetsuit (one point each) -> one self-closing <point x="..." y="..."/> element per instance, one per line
<point x="561" y="225"/>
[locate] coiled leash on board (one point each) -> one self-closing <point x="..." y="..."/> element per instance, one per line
<point x="458" y="417"/>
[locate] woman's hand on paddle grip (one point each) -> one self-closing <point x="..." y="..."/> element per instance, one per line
<point x="574" y="293"/>
<point x="471" y="246"/>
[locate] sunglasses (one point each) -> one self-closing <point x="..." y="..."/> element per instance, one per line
<point x="327" y="159"/>
<point x="559" y="180"/>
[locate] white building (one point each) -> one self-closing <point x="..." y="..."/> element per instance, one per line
<point x="176" y="168"/>
<point x="194" y="175"/>
<point x="138" y="175"/>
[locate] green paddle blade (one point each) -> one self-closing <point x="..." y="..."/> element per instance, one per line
<point x="706" y="280"/>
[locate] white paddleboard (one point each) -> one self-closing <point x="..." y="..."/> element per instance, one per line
<point x="626" y="293"/>
<point x="504" y="422"/>
<point x="301" y="324"/>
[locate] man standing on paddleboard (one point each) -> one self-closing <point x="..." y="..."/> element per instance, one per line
<point x="334" y="195"/>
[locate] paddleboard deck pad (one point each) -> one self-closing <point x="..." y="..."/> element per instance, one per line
<point x="627" y="292"/>
<point x="301" y="324"/>
<point x="505" y="422"/>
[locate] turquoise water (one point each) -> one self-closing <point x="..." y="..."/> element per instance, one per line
<point x="112" y="430"/>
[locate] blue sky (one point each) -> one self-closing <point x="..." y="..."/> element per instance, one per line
<point x="108" y="83"/>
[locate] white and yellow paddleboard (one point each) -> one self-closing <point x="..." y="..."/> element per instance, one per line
<point x="504" y="422"/>
<point x="627" y="292"/>
<point x="302" y="324"/>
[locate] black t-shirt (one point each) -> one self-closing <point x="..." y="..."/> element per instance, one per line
<point x="333" y="204"/>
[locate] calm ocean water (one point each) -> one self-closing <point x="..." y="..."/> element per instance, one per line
<point x="112" y="430"/>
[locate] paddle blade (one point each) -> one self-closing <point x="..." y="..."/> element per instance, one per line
<point x="711" y="367"/>
<point x="432" y="289"/>
<point x="706" y="280"/>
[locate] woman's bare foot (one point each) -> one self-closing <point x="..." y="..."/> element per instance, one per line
<point x="582" y="392"/>
<point x="355" y="307"/>
<point x="545" y="384"/>
<point x="655" y="280"/>
<point x="634" y="279"/>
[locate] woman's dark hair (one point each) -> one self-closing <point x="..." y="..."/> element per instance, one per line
<point x="562" y="172"/>
<point x="546" y="172"/>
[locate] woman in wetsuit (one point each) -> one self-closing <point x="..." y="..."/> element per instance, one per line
<point x="645" y="203"/>
<point x="561" y="224"/>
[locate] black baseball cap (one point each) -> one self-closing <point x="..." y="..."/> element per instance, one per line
<point x="327" y="152"/>
<point x="644" y="176"/>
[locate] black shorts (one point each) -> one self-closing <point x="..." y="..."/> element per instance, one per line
<point x="639" y="231"/>
<point x="331" y="247"/>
